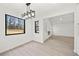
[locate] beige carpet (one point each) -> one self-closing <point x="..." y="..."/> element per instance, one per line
<point x="56" y="46"/>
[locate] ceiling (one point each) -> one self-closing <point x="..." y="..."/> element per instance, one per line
<point x="42" y="9"/>
<point x="46" y="9"/>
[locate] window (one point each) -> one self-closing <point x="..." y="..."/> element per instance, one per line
<point x="36" y="26"/>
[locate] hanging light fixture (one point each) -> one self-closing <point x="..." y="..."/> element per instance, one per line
<point x="29" y="13"/>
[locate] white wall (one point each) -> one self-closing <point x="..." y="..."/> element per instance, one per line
<point x="76" y="30"/>
<point x="64" y="30"/>
<point x="46" y="27"/>
<point x="38" y="36"/>
<point x="9" y="42"/>
<point x="58" y="26"/>
<point x="63" y="25"/>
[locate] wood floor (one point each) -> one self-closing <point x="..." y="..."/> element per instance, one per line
<point x="56" y="46"/>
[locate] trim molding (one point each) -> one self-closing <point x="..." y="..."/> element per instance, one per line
<point x="48" y="38"/>
<point x="63" y="36"/>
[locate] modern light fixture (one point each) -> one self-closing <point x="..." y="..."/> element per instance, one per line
<point x="29" y="13"/>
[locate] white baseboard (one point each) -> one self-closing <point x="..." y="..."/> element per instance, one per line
<point x="37" y="40"/>
<point x="63" y="35"/>
<point x="47" y="38"/>
<point x="77" y="51"/>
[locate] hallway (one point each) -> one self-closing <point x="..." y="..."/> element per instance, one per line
<point x="56" y="46"/>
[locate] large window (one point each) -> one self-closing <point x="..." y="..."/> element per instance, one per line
<point x="14" y="25"/>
